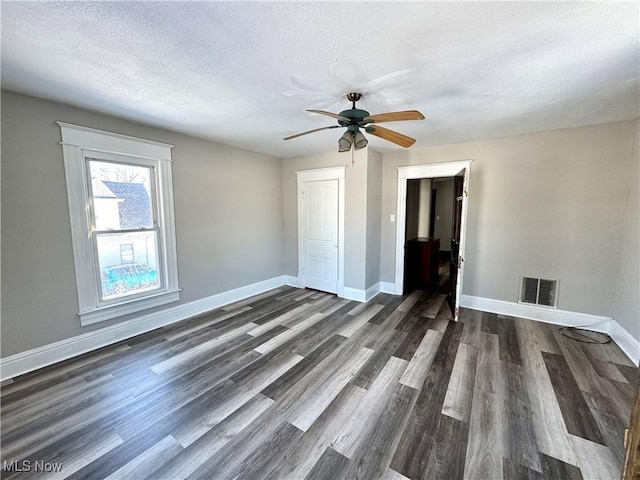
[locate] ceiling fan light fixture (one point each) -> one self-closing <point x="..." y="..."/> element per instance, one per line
<point x="345" y="142"/>
<point x="360" y="140"/>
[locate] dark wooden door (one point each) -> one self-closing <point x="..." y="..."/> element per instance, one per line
<point x="456" y="229"/>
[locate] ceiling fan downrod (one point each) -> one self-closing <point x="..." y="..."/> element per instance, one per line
<point x="353" y="97"/>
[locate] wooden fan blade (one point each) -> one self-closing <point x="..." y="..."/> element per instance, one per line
<point x="332" y="115"/>
<point x="391" y="136"/>
<point x="310" y="131"/>
<point x="395" y="116"/>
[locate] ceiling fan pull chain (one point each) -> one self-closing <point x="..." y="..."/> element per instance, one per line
<point x="353" y="153"/>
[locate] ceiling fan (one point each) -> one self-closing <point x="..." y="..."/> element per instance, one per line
<point x="354" y="119"/>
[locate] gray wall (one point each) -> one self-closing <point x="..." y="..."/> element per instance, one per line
<point x="444" y="213"/>
<point x="626" y="309"/>
<point x="228" y="206"/>
<point x="549" y="204"/>
<point x="424" y="216"/>
<point x="374" y="220"/>
<point x="418" y="213"/>
<point x="355" y="248"/>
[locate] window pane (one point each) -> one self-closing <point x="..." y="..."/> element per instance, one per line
<point x="121" y="196"/>
<point x="128" y="263"/>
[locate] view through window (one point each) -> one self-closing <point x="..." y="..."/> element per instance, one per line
<point x="124" y="228"/>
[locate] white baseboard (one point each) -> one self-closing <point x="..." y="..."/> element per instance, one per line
<point x="372" y="291"/>
<point x="348" y="292"/>
<point x="342" y="291"/>
<point x="356" y="294"/>
<point x="292" y="281"/>
<point x="361" y="295"/>
<point x="627" y="343"/>
<point x="388" y="287"/>
<point x="30" y="360"/>
<point x="532" y="312"/>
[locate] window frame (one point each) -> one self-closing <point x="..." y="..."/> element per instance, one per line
<point x="79" y="145"/>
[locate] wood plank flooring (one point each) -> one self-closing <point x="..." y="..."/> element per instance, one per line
<point x="300" y="384"/>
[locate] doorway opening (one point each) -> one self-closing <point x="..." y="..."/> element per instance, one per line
<point x="429" y="218"/>
<point x="421" y="254"/>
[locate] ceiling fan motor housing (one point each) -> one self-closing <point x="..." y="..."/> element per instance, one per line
<point x="356" y="117"/>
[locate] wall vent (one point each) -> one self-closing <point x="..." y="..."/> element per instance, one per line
<point x="539" y="291"/>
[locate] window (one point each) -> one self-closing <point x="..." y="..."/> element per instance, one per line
<point x="121" y="209"/>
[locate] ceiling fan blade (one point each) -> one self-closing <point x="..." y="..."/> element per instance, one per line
<point x="395" y="116"/>
<point x="332" y="115"/>
<point x="310" y="131"/>
<point x="391" y="136"/>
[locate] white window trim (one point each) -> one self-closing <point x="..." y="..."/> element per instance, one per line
<point x="79" y="142"/>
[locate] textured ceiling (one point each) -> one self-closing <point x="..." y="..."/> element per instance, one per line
<point x="242" y="73"/>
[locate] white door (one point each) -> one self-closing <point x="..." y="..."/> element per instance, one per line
<point x="320" y="235"/>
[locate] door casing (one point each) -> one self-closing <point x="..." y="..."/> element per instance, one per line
<point x="319" y="174"/>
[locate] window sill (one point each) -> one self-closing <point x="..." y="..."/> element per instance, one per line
<point x="101" y="314"/>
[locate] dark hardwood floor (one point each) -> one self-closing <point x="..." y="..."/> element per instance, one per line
<point x="300" y="384"/>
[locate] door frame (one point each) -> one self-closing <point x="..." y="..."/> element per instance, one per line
<point x="430" y="170"/>
<point x="315" y="175"/>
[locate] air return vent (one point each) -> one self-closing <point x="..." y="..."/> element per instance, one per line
<point x="538" y="291"/>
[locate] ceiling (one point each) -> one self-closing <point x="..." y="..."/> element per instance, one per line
<point x="242" y="73"/>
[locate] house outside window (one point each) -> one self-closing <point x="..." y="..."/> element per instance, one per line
<point x="120" y="197"/>
<point x="127" y="254"/>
